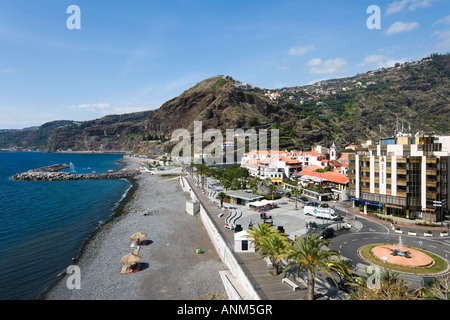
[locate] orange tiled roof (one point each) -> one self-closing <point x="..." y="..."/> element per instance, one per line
<point x="329" y="175"/>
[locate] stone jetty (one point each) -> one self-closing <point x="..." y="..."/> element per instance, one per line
<point x="51" y="173"/>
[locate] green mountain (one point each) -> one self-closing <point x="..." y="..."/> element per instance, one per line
<point x="349" y="110"/>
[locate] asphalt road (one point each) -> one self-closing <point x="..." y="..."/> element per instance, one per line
<point x="366" y="231"/>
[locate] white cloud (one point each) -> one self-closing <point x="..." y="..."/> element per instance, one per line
<point x="103" y="109"/>
<point x="374" y="58"/>
<point x="420" y="4"/>
<point x="8" y="70"/>
<point x="412" y="5"/>
<point x="314" y="62"/>
<point x="318" y="66"/>
<point x="402" y="27"/>
<point x="444" y="37"/>
<point x="445" y="20"/>
<point x="299" y="50"/>
<point x="93" y="107"/>
<point x="377" y="61"/>
<point x="283" y="68"/>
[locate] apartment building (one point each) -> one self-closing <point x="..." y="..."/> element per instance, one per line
<point x="406" y="176"/>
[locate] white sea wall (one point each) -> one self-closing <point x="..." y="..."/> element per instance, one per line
<point x="224" y="251"/>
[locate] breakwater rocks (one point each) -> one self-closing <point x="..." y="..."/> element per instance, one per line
<point x="51" y="173"/>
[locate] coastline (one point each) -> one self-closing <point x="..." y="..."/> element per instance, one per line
<point x="119" y="211"/>
<point x="171" y="268"/>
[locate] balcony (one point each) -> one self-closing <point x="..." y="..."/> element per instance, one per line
<point x="365" y="189"/>
<point x="431" y="172"/>
<point x="401" y="171"/>
<point x="402" y="183"/>
<point x="432" y="183"/>
<point x="402" y="193"/>
<point x="431" y="195"/>
<point x="365" y="169"/>
<point x="401" y="160"/>
<point x="365" y="179"/>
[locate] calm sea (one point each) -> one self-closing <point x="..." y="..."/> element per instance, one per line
<point x="44" y="224"/>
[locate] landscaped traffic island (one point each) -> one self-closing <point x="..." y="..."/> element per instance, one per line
<point x="404" y="259"/>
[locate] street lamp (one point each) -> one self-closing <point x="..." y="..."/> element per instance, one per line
<point x="440" y="204"/>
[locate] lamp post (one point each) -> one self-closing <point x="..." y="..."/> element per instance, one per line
<point x="440" y="204"/>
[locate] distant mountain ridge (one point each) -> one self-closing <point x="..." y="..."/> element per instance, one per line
<point x="348" y="110"/>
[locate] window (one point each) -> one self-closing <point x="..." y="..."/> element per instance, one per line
<point x="244" y="245"/>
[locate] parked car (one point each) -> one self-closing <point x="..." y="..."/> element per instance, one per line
<point x="328" y="233"/>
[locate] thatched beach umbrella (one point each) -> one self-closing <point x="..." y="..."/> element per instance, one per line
<point x="130" y="259"/>
<point x="138" y="235"/>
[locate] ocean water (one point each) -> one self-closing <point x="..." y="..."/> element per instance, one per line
<point x="43" y="224"/>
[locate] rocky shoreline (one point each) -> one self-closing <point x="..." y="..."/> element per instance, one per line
<point x="51" y="173"/>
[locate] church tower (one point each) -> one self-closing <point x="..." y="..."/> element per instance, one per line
<point x="333" y="152"/>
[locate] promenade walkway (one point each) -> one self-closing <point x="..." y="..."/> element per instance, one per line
<point x="271" y="286"/>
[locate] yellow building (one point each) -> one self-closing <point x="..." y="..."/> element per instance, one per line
<point x="405" y="178"/>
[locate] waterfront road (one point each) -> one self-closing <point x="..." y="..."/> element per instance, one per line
<point x="367" y="231"/>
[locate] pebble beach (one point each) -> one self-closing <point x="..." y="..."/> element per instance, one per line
<point x="171" y="267"/>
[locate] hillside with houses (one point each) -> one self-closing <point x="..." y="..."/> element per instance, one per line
<point x="342" y="111"/>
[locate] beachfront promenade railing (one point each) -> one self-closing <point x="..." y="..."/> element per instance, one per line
<point x="240" y="262"/>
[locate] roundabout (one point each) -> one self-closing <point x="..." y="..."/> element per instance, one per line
<point x="403" y="259"/>
<point x="417" y="259"/>
<point x="409" y="257"/>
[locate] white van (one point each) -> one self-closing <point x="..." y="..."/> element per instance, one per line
<point x="326" y="213"/>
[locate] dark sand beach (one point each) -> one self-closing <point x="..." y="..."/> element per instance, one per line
<point x="172" y="270"/>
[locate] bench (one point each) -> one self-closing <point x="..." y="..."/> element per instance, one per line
<point x="290" y="283"/>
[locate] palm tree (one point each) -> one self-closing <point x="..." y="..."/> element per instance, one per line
<point x="272" y="189"/>
<point x="202" y="170"/>
<point x="390" y="288"/>
<point x="221" y="196"/>
<point x="260" y="232"/>
<point x="440" y="288"/>
<point x="253" y="185"/>
<point x="309" y="256"/>
<point x="295" y="192"/>
<point x="192" y="166"/>
<point x="274" y="247"/>
<point x="226" y="183"/>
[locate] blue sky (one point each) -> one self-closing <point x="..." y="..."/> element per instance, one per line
<point x="135" y="55"/>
